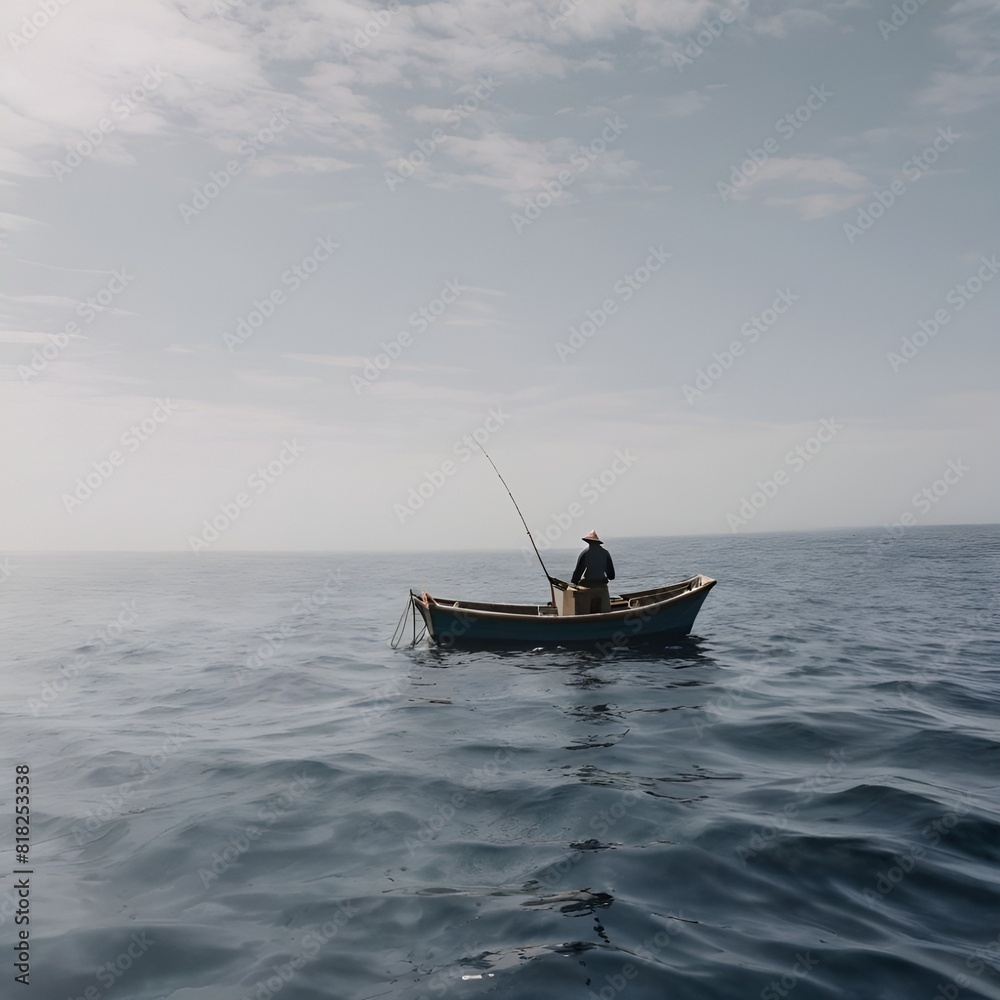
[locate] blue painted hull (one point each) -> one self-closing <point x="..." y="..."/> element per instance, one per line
<point x="664" y="612"/>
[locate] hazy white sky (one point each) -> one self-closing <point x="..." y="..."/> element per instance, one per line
<point x="682" y="265"/>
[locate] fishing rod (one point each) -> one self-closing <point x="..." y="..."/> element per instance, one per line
<point x="525" y="523"/>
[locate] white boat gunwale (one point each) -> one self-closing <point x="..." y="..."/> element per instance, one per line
<point x="644" y="601"/>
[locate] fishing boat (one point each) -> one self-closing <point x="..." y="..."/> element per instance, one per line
<point x="661" y="611"/>
<point x="568" y="619"/>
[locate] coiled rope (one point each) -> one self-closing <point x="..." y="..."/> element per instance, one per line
<point x="397" y="635"/>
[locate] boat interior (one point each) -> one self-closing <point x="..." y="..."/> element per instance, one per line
<point x="619" y="602"/>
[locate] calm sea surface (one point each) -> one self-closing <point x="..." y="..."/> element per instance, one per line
<point x="238" y="790"/>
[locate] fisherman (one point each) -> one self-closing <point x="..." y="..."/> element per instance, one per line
<point x="593" y="570"/>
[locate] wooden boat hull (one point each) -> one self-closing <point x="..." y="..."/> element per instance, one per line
<point x="662" y="611"/>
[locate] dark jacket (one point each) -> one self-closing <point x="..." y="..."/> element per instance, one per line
<point x="594" y="567"/>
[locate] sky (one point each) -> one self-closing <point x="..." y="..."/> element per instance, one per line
<point x="273" y="272"/>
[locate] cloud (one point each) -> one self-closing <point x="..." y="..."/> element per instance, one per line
<point x="356" y="362"/>
<point x="520" y="168"/>
<point x="813" y="172"/>
<point x="37" y="300"/>
<point x="791" y="21"/>
<point x="215" y="67"/>
<point x="277" y="163"/>
<point x="24" y="337"/>
<point x="475" y="401"/>
<point x="14" y="162"/>
<point x="682" y="105"/>
<point x="271" y="381"/>
<point x="959" y="93"/>
<point x="971" y="29"/>
<point x="91" y="55"/>
<point x="332" y="360"/>
<point x="816" y="206"/>
<point x="820" y="169"/>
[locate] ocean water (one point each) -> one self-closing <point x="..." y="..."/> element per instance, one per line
<point x="238" y="790"/>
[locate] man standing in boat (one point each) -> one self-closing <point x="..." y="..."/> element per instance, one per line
<point x="593" y="570"/>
